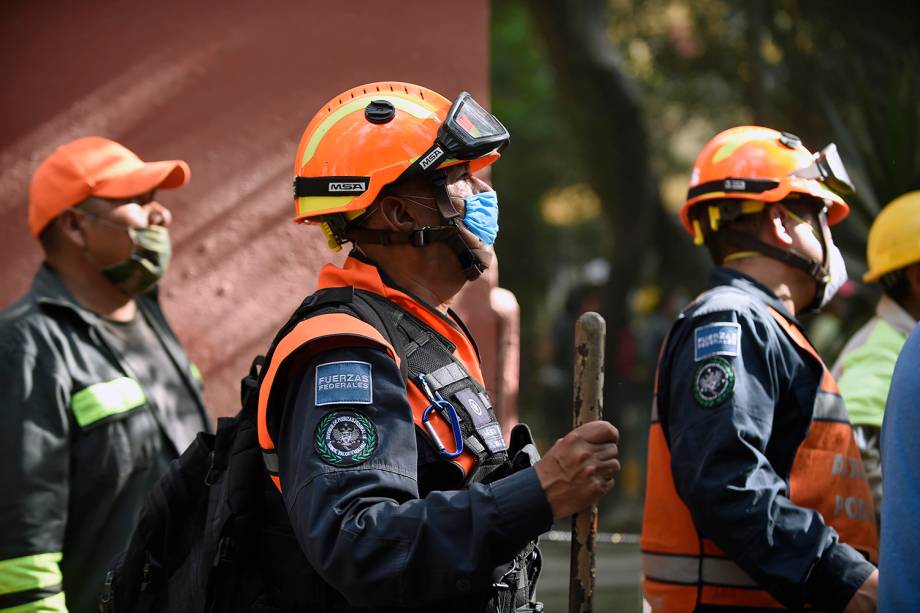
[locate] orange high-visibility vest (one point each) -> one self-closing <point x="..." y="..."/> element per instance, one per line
<point x="682" y="570"/>
<point x="329" y="330"/>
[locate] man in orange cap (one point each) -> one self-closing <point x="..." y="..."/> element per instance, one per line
<point x="756" y="496"/>
<point x="97" y="393"/>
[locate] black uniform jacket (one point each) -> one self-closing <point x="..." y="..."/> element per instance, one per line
<point x="81" y="443"/>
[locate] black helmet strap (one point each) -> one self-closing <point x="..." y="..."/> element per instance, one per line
<point x="470" y="262"/>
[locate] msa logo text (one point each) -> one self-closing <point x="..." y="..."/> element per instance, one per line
<point x="347" y="187"/>
<point x="735" y="185"/>
<point x="431" y="158"/>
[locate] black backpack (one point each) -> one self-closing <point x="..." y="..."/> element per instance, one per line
<point x="195" y="520"/>
<point x="205" y="527"/>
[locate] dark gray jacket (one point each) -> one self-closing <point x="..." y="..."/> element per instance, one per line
<point x="81" y="442"/>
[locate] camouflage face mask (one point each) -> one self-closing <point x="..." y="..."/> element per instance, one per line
<point x="147" y="263"/>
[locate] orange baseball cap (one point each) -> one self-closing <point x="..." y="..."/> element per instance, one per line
<point x="95" y="166"/>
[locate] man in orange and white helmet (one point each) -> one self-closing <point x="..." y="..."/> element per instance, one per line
<point x="374" y="422"/>
<point x="756" y="495"/>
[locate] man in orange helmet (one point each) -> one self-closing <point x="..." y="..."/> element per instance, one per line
<point x="756" y="496"/>
<point x="374" y="422"/>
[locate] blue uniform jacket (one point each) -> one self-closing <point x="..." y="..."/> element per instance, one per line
<point x="733" y="439"/>
<point x="899" y="578"/>
<point x="390" y="529"/>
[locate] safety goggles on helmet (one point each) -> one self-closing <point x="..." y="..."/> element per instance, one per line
<point x="468" y="132"/>
<point x="829" y="169"/>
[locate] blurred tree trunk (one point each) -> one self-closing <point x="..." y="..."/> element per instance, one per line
<point x="604" y="109"/>
<point x="756" y="13"/>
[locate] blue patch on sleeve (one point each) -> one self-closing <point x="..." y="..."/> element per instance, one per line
<point x="344" y="383"/>
<point x="722" y="338"/>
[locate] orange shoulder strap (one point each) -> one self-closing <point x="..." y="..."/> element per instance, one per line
<point x="827" y="381"/>
<point x="337" y="329"/>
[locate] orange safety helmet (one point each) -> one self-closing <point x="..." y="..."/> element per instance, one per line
<point x="363" y="140"/>
<point x="755" y="165"/>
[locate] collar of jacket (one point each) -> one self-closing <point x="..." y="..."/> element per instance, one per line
<point x="894" y="314"/>
<point x="751" y="286"/>
<point x="363" y="273"/>
<point x="49" y="291"/>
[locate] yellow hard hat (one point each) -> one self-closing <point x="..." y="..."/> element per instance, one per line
<point x="894" y="238"/>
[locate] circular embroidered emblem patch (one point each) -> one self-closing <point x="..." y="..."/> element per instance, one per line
<point x="713" y="382"/>
<point x="345" y="438"/>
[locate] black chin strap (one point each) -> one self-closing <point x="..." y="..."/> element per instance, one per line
<point x="472" y="265"/>
<point x="417" y="237"/>
<point x="813" y="269"/>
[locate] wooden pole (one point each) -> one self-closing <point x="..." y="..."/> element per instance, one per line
<point x="587" y="405"/>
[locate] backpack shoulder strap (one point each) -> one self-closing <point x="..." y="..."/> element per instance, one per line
<point x="326" y="319"/>
<point x="383" y="315"/>
<point x="332" y="299"/>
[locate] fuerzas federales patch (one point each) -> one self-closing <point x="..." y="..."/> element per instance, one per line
<point x="344" y="383"/>
<point x="720" y="338"/>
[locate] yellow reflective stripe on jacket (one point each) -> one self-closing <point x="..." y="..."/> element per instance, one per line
<point x="196" y="373"/>
<point x="102" y="400"/>
<point x="51" y="604"/>
<point x="32" y="573"/>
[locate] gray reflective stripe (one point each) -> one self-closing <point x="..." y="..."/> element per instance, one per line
<point x="102" y="400"/>
<point x="725" y="572"/>
<point x="270" y="458"/>
<point x="685" y="569"/>
<point x="444" y="376"/>
<point x="830" y="406"/>
<point x="673" y="569"/>
<point x="655" y="408"/>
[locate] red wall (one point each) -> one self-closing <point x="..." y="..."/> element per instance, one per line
<point x="228" y="86"/>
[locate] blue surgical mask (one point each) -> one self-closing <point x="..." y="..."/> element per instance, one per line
<point x="481" y="216"/>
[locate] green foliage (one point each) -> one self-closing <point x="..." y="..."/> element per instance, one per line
<point x="542" y="156"/>
<point x="856" y="64"/>
<point x="830" y="71"/>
